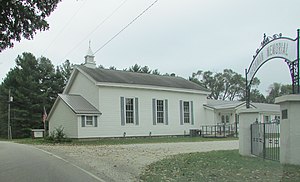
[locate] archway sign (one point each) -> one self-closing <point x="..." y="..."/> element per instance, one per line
<point x="273" y="47"/>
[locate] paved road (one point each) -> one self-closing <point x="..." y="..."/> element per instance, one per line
<point x="22" y="163"/>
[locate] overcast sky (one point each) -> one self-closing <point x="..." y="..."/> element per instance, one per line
<point x="173" y="36"/>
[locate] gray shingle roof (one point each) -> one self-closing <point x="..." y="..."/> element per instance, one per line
<point x="221" y="104"/>
<point x="267" y="107"/>
<point x="116" y="76"/>
<point x="79" y="104"/>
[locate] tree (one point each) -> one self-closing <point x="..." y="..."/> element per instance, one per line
<point x="34" y="84"/>
<point x="155" y="72"/>
<point x="255" y="96"/>
<point x="101" y="66"/>
<point x="227" y="85"/>
<point x="276" y="90"/>
<point x="233" y="85"/>
<point x="22" y="18"/>
<point x="66" y="69"/>
<point x="135" y="68"/>
<point x="145" y="69"/>
<point x="112" y="68"/>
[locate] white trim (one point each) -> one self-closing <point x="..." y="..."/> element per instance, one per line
<point x="151" y="87"/>
<point x="190" y="114"/>
<point x="72" y="78"/>
<point x="93" y="119"/>
<point x="86" y="121"/>
<point x="208" y="107"/>
<point x="163" y="111"/>
<point x="125" y="113"/>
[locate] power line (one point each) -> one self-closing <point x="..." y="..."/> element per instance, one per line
<point x="99" y="25"/>
<point x="125" y="27"/>
<point x="64" y="27"/>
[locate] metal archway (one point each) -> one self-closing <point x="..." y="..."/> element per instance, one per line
<point x="273" y="47"/>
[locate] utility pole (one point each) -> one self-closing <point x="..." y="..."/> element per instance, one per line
<point x="10" y="99"/>
<point x="298" y="59"/>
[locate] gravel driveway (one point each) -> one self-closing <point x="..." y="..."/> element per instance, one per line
<point x="126" y="162"/>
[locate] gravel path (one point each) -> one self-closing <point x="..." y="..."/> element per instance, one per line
<point x="126" y="162"/>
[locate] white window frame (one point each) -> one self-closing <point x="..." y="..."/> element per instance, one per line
<point x="86" y="120"/>
<point x="127" y="111"/>
<point x="186" y="113"/>
<point x="158" y="112"/>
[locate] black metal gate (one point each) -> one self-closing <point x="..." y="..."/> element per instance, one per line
<point x="265" y="140"/>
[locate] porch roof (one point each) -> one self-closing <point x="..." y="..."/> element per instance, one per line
<point x="78" y="104"/>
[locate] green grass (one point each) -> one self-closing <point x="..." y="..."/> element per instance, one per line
<point x="119" y="141"/>
<point x="219" y="166"/>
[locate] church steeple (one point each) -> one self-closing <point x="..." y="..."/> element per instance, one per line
<point x="89" y="58"/>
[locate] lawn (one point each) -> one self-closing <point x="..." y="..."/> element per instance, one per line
<point x="219" y="166"/>
<point x="129" y="140"/>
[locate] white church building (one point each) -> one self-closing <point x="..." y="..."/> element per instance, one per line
<point x="109" y="103"/>
<point x="100" y="103"/>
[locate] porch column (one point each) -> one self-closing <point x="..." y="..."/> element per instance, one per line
<point x="289" y="129"/>
<point x="247" y="117"/>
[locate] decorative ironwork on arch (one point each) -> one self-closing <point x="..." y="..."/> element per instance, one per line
<point x="270" y="48"/>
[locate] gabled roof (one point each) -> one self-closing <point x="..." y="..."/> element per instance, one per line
<point x="221" y="104"/>
<point x="123" y="77"/>
<point x="78" y="104"/>
<point x="267" y="107"/>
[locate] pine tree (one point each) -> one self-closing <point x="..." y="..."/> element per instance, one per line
<point x="34" y="84"/>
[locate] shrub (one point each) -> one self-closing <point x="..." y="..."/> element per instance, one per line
<point x="58" y="136"/>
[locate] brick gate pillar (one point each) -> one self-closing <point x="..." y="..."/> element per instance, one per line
<point x="246" y="118"/>
<point x="289" y="129"/>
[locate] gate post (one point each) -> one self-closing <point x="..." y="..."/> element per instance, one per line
<point x="247" y="117"/>
<point x="289" y="129"/>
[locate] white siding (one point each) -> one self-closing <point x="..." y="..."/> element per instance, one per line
<point x="110" y="121"/>
<point x="65" y="117"/>
<point x="86" y="88"/>
<point x="210" y="117"/>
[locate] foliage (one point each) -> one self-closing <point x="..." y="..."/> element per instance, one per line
<point x="22" y="18"/>
<point x="227" y="85"/>
<point x="219" y="166"/>
<point x="34" y="84"/>
<point x="139" y="69"/>
<point x="255" y="96"/>
<point x="276" y="90"/>
<point x="66" y="69"/>
<point x="155" y="72"/>
<point x="112" y="68"/>
<point x="58" y="136"/>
